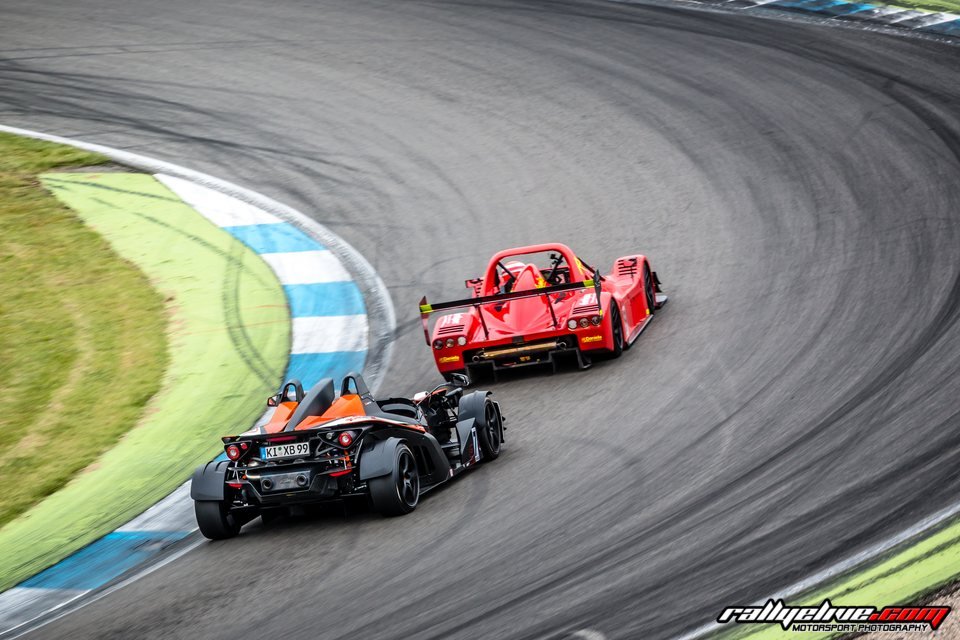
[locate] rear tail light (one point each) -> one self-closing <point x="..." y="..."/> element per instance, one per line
<point x="450" y="342"/>
<point x="571" y="324"/>
<point x="233" y="451"/>
<point x="345" y="439"/>
<point x="584" y="323"/>
<point x="462" y="340"/>
<point x="438" y="344"/>
<point x="595" y="320"/>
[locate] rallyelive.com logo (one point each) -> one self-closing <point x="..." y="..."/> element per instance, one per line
<point x="836" y="618"/>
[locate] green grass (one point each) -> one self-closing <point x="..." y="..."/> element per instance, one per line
<point x="946" y="6"/>
<point x="903" y="577"/>
<point x="228" y="336"/>
<point x="82" y="341"/>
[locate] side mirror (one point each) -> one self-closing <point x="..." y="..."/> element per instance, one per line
<point x="272" y="401"/>
<point x="460" y="379"/>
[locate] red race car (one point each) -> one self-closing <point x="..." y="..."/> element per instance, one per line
<point x="524" y="314"/>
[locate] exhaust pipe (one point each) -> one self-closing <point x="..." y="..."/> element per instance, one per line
<point x="267" y="484"/>
<point x="301" y="480"/>
<point x="522" y="349"/>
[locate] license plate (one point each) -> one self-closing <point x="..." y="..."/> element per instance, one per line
<point x="292" y="450"/>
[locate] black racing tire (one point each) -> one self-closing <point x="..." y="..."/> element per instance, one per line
<point x="215" y="520"/>
<point x="649" y="290"/>
<point x="397" y="493"/>
<point x="490" y="432"/>
<point x="649" y="294"/>
<point x="617" y="328"/>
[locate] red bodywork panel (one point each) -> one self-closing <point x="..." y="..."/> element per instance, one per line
<point x="524" y="316"/>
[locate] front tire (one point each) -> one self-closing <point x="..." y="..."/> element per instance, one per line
<point x="215" y="520"/>
<point x="397" y="493"/>
<point x="489" y="433"/>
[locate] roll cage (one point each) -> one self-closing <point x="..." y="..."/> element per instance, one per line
<point x="488" y="290"/>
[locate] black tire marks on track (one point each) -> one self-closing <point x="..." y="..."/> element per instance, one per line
<point x="236" y="269"/>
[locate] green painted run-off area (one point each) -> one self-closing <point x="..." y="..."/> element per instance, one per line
<point x="228" y="334"/>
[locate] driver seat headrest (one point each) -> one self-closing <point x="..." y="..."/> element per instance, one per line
<point x="315" y="403"/>
<point x="528" y="278"/>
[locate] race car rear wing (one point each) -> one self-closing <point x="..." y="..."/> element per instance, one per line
<point x="426" y="308"/>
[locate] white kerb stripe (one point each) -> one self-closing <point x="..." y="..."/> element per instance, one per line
<point x="306" y="267"/>
<point x="327" y="334"/>
<point x="173" y="513"/>
<point x="883" y="11"/>
<point x="941" y="18"/>
<point x="219" y="208"/>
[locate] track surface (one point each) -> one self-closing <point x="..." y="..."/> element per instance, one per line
<point x="796" y="186"/>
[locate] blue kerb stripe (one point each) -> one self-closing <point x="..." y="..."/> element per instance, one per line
<point x="856" y="7"/>
<point x="843" y="8"/>
<point x="116" y="553"/>
<point x="274" y="238"/>
<point x="324" y="299"/>
<point x="310" y="367"/>
<point x="102" y="561"/>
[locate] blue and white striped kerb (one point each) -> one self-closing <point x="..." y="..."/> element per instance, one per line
<point x="937" y="23"/>
<point x="329" y="326"/>
<point x="99" y="563"/>
<point x="328" y="317"/>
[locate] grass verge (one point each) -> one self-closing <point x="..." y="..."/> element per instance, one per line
<point x="905" y="576"/>
<point x="945" y="6"/>
<point x="82" y="341"/>
<point x="228" y="334"/>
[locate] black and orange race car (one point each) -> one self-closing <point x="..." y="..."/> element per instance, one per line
<point x="322" y="446"/>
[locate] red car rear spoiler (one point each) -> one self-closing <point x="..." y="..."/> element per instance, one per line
<point x="426" y="309"/>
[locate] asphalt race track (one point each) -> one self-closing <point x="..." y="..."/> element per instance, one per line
<point x="797" y="188"/>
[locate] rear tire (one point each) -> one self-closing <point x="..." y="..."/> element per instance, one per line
<point x="616" y="327"/>
<point x="397" y="493"/>
<point x="215" y="520"/>
<point x="649" y="290"/>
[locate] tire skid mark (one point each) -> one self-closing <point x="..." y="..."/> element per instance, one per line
<point x="235" y="269"/>
<point x="239" y="336"/>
